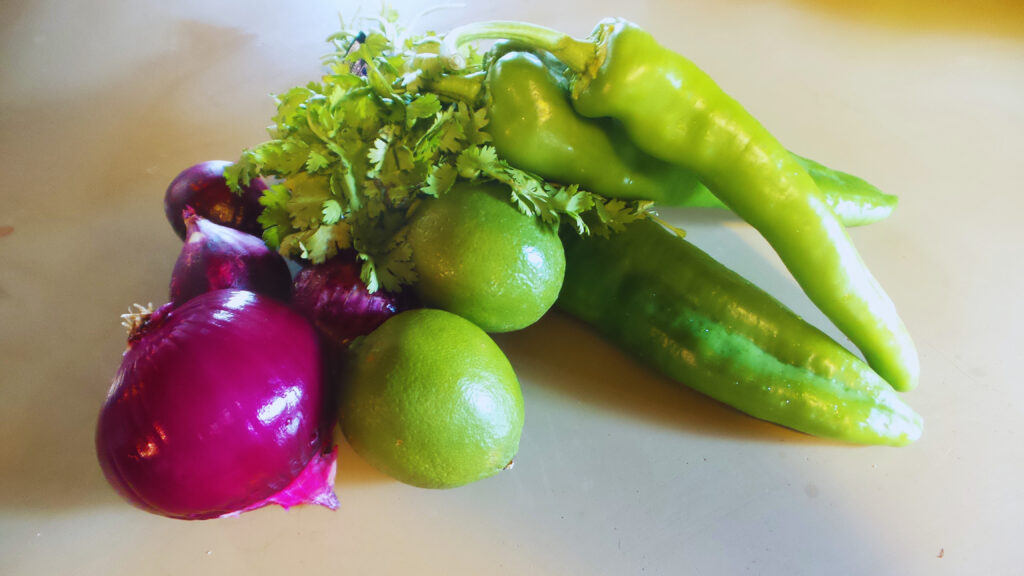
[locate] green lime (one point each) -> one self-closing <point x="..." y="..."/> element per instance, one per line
<point x="478" y="256"/>
<point x="429" y="399"/>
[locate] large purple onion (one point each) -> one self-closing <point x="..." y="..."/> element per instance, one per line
<point x="217" y="408"/>
<point x="204" y="189"/>
<point x="215" y="257"/>
<point x="333" y="297"/>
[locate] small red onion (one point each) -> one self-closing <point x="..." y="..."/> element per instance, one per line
<point x="204" y="189"/>
<point x="218" y="408"/>
<point x="216" y="257"/>
<point x="333" y="297"/>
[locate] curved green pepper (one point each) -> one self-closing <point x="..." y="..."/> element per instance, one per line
<point x="675" y="308"/>
<point x="533" y="126"/>
<point x="674" y="111"/>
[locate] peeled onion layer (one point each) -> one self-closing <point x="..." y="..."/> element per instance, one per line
<point x="314" y="485"/>
<point x="218" y="408"/>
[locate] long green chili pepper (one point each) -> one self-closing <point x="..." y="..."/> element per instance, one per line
<point x="676" y="309"/>
<point x="534" y="126"/>
<point x="674" y="111"/>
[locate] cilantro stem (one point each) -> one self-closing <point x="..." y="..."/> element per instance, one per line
<point x="674" y="229"/>
<point x="574" y="53"/>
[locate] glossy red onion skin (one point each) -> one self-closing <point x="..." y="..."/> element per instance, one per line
<point x="333" y="297"/>
<point x="216" y="257"/>
<point x="217" y="406"/>
<point x="204" y="189"/>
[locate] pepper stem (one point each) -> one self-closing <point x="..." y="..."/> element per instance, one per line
<point x="465" y="88"/>
<point x="574" y="53"/>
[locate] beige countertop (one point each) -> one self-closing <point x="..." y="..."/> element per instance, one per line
<point x="619" y="471"/>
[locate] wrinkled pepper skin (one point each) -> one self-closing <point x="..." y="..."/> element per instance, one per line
<point x="674" y="111"/>
<point x="533" y="126"/>
<point x="676" y="309"/>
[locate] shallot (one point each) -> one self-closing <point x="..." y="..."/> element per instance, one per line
<point x="204" y="188"/>
<point x="334" y="298"/>
<point x="215" y="257"/>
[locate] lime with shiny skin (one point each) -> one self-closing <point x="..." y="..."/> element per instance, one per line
<point x="429" y="399"/>
<point x="478" y="256"/>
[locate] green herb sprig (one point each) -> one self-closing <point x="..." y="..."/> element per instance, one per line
<point x="387" y="125"/>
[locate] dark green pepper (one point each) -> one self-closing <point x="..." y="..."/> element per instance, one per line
<point x="679" y="311"/>
<point x="674" y="111"/>
<point x="534" y="126"/>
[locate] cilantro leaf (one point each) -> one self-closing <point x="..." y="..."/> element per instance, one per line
<point x="377" y="156"/>
<point x="476" y="160"/>
<point x="275" y="218"/>
<point x="440" y="180"/>
<point x="423" y="106"/>
<point x="332" y="211"/>
<point x="308" y="194"/>
<point x="325" y="242"/>
<point x="316" y="161"/>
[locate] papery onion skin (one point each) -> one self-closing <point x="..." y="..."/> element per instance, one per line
<point x="203" y="187"/>
<point x="217" y="406"/>
<point x="332" y="296"/>
<point x="216" y="257"/>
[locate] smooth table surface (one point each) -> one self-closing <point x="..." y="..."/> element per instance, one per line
<point x="620" y="471"/>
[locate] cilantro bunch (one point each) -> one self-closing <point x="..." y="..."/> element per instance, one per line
<point x="388" y="124"/>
